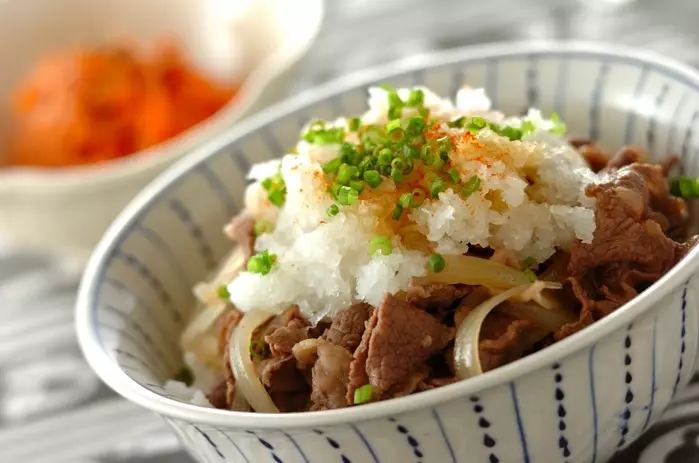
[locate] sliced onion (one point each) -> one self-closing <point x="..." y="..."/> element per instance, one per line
<point x="246" y="379"/>
<point x="466" y="354"/>
<point x="475" y="271"/>
<point x="550" y="320"/>
<point x="239" y="403"/>
<point x="200" y="324"/>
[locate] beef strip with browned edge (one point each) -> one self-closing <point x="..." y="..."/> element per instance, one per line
<point x="394" y="350"/>
<point x="630" y="248"/>
<point x="348" y="326"/>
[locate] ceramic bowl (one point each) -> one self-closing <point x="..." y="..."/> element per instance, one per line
<point x="581" y="400"/>
<point x="256" y="42"/>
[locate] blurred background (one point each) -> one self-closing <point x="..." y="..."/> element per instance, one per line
<point x="68" y="162"/>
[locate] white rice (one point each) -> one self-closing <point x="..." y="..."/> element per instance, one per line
<point x="531" y="201"/>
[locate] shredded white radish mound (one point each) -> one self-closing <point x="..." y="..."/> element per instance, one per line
<point x="530" y="201"/>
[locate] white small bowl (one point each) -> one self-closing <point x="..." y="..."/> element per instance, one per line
<point x="258" y="42"/>
<point x="580" y="400"/>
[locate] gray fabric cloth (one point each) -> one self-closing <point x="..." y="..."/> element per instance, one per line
<point x="53" y="409"/>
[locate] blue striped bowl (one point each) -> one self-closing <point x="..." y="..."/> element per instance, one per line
<point x="581" y="400"/>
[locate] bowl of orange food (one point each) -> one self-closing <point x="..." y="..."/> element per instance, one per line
<point x="95" y="104"/>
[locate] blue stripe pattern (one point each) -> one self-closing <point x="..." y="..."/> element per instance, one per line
<point x="683" y="345"/>
<point x="597" y="98"/>
<point x="211" y="442"/>
<point x="414" y="444"/>
<point x="520" y="424"/>
<point x="629" y="396"/>
<point x="195" y="231"/>
<point x="532" y="82"/>
<point x="268" y="446"/>
<point x="561" y="88"/>
<point x="234" y="445"/>
<point x="631" y="119"/>
<point x="483" y="423"/>
<point x="334" y="444"/>
<point x="366" y="443"/>
<point x="652" y="121"/>
<point x="491" y="81"/>
<point x="296" y="445"/>
<point x="593" y="400"/>
<point x="440" y="425"/>
<point x="561" y="411"/>
<point x="653" y="367"/>
<point x="219" y="189"/>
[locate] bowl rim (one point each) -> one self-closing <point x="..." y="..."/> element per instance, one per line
<point x="250" y="89"/>
<point x="109" y="371"/>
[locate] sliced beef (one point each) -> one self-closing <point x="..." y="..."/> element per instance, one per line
<point x="241" y="229"/>
<point x="218" y="395"/>
<point x="348" y="326"/>
<point x="286" y="384"/>
<point x="282" y="340"/>
<point x="395" y="347"/>
<point x="626" y="156"/>
<point x="596" y="158"/>
<point x="330" y="377"/>
<point x="435" y="297"/>
<point x="630" y="248"/>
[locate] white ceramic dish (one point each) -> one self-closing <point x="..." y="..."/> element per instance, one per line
<point x="578" y="401"/>
<point x="261" y="41"/>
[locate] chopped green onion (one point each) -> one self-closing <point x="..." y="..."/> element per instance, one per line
<point x="397" y="212"/>
<point x="472" y="185"/>
<point x="416" y="97"/>
<point x="363" y="394"/>
<point x="416" y="125"/>
<point x="373" y="178"/>
<point x="437" y="262"/>
<point x="347" y="196"/>
<point x="332" y="166"/>
<point x="410" y="152"/>
<point x="223" y="293"/>
<point x="185" y="375"/>
<point x="261" y="262"/>
<point x="349" y="155"/>
<point x="436" y="187"/>
<point x="405" y="200"/>
<point x="444" y="144"/>
<point x="458" y="123"/>
<point x="277" y="197"/>
<point x="258" y="349"/>
<point x="380" y="245"/>
<point x="454" y="175"/>
<point x="396" y="175"/>
<point x="396" y="135"/>
<point x="397" y="163"/>
<point x="335" y="189"/>
<point x="418" y="197"/>
<point x="479" y="122"/>
<point x="559" y="127"/>
<point x="262" y="226"/>
<point x="346" y="173"/>
<point x="527" y="127"/>
<point x="685" y="187"/>
<point x="354" y="124"/>
<point x="392" y="125"/>
<point x="333" y="210"/>
<point x="366" y="164"/>
<point x="529" y="261"/>
<point x="530" y="274"/>
<point x="276" y="189"/>
<point x="425" y="153"/>
<point x="357" y="185"/>
<point x="385" y="157"/>
<point x="510" y="132"/>
<point x="408" y="166"/>
<point x="424" y="112"/>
